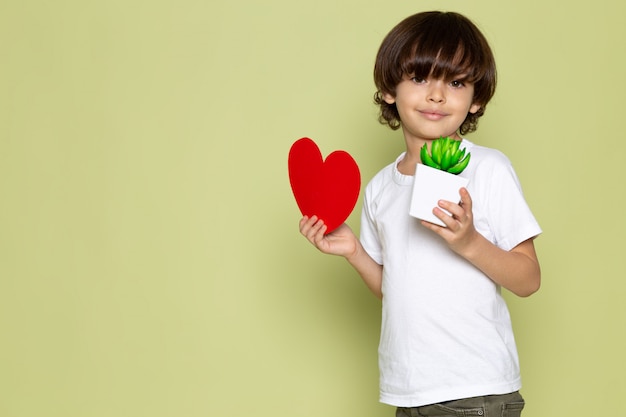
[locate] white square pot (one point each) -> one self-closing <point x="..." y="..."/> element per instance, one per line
<point x="431" y="185"/>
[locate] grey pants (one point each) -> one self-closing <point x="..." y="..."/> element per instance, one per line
<point x="507" y="405"/>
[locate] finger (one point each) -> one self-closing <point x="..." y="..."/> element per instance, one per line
<point x="308" y="226"/>
<point x="303" y="222"/>
<point x="466" y="199"/>
<point x="434" y="227"/>
<point x="446" y="218"/>
<point x="455" y="210"/>
<point x="316" y="230"/>
<point x="306" y="223"/>
<point x="320" y="230"/>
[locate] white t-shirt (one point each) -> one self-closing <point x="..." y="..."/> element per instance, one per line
<point x="446" y="331"/>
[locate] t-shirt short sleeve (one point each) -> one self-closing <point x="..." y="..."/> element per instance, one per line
<point x="368" y="235"/>
<point x="509" y="216"/>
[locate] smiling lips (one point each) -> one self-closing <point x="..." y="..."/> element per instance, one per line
<point x="432" y="114"/>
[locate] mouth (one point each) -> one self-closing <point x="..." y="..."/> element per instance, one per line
<point x="432" y="114"/>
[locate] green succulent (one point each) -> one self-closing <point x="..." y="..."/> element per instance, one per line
<point x="445" y="155"/>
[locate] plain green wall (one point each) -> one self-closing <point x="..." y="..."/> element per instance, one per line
<point x="150" y="263"/>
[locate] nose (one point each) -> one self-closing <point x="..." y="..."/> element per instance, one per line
<point x="436" y="93"/>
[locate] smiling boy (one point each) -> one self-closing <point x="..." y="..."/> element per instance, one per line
<point x="447" y="344"/>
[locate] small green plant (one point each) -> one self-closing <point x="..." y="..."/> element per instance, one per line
<point x="445" y="155"/>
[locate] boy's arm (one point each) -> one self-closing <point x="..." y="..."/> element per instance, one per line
<point x="343" y="242"/>
<point x="516" y="270"/>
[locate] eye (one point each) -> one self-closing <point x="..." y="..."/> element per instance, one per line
<point x="418" y="80"/>
<point x="457" y="83"/>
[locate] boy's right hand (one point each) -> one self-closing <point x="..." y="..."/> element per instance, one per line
<point x="342" y="241"/>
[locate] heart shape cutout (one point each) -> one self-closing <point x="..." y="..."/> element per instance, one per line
<point x="328" y="189"/>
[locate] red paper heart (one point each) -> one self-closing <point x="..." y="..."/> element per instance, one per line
<point x="327" y="189"/>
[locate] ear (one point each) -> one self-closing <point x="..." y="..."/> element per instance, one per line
<point x="389" y="99"/>
<point x="474" y="108"/>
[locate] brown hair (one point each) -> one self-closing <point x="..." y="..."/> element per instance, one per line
<point x="442" y="45"/>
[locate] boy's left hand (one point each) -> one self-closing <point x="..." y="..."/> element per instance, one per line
<point x="460" y="232"/>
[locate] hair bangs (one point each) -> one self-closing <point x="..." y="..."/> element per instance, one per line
<point x="446" y="60"/>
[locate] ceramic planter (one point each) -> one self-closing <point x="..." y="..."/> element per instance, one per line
<point x="430" y="186"/>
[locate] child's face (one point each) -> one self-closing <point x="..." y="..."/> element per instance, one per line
<point x="431" y="108"/>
